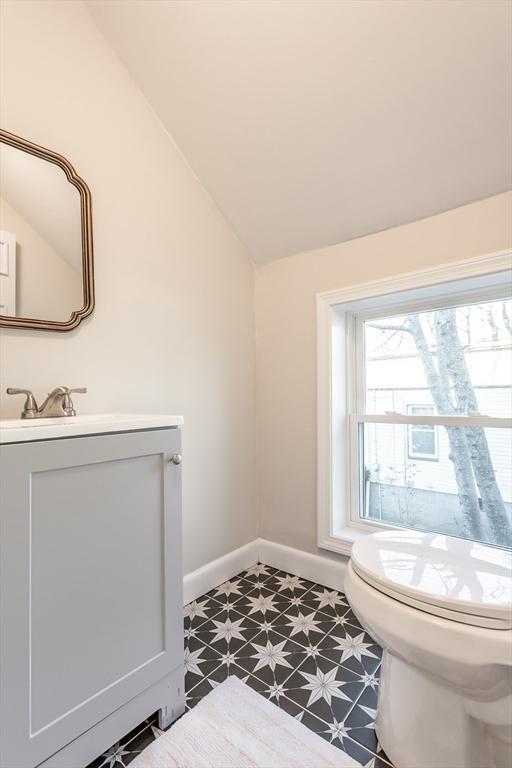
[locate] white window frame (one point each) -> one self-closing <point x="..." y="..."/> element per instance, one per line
<point x="411" y="454"/>
<point x="340" y="315"/>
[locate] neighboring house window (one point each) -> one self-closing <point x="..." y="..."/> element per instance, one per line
<point x="415" y="406"/>
<point x="422" y="438"/>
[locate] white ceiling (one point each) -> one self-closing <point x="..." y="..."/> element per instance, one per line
<point x="311" y="123"/>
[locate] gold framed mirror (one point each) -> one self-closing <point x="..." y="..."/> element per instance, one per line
<point x="46" y="248"/>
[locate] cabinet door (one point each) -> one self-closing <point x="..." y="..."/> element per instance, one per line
<point x="91" y="582"/>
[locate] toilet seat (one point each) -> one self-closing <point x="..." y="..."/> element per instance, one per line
<point x="452" y="578"/>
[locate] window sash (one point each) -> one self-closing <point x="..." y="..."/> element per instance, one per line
<point x="355" y="320"/>
<point x="356" y="449"/>
<point x="356" y="394"/>
<point x="487" y="422"/>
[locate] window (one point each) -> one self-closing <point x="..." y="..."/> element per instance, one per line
<point x="422" y="438"/>
<point x="458" y="361"/>
<point x="419" y="410"/>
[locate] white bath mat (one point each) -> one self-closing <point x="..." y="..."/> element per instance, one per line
<point x="235" y="727"/>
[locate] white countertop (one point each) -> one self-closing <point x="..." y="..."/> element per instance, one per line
<point x="27" y="430"/>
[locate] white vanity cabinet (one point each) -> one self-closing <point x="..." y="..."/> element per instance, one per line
<point x="91" y="585"/>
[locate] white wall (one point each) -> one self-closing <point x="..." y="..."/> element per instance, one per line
<point x="173" y="330"/>
<point x="286" y="344"/>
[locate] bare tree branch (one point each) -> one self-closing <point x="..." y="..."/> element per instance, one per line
<point x="490" y="318"/>
<point x="506" y="317"/>
<point x="388" y="327"/>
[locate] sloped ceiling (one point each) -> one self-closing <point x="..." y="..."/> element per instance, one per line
<point x="311" y="123"/>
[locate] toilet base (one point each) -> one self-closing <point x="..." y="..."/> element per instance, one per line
<point x="423" y="723"/>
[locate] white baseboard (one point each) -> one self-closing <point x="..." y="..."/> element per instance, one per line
<point x="214" y="573"/>
<point x="323" y="570"/>
<point x="327" y="571"/>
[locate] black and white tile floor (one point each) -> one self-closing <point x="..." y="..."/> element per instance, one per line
<point x="296" y="643"/>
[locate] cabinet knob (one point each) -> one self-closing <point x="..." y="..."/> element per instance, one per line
<point x="176" y="458"/>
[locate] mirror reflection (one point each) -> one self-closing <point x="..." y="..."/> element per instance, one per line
<point x="40" y="239"/>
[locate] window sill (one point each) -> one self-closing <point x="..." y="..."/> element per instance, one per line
<point x="342" y="542"/>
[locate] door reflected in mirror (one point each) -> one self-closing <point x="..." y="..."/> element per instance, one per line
<point x="45" y="239"/>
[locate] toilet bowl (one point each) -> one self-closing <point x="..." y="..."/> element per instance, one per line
<point x="441" y="608"/>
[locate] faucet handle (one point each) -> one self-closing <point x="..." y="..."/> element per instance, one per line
<point x="67" y="403"/>
<point x="30" y="407"/>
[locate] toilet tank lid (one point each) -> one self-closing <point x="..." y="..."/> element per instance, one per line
<point x="438" y="570"/>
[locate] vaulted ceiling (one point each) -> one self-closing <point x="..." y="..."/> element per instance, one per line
<point x="314" y="122"/>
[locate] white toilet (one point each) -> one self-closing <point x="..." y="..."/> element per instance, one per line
<point x="441" y="608"/>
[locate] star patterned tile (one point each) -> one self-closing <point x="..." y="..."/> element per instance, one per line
<point x="286" y="585"/>
<point x="355" y="649"/>
<point x="259" y="572"/>
<point x="228" y="630"/>
<point x="295" y="642"/>
<point x="256" y="593"/>
<point x="199" y="611"/>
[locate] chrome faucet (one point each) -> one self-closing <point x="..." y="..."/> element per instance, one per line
<point x="58" y="403"/>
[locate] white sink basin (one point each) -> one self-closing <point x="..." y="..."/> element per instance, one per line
<point x="26" y="430"/>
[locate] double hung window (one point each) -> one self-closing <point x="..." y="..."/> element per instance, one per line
<point x="421" y="413"/>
